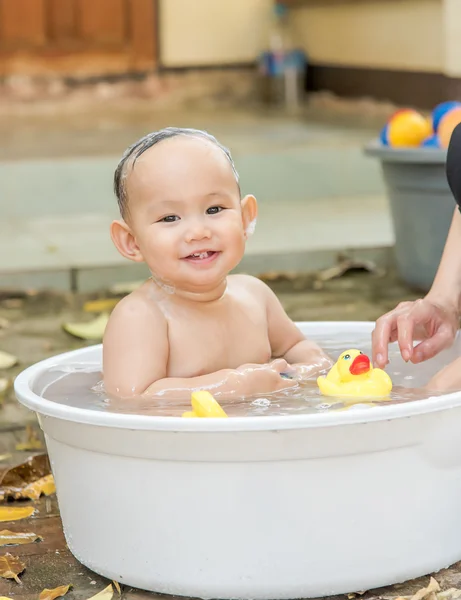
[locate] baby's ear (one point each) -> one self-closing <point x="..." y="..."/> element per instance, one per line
<point x="249" y="214"/>
<point x="125" y="241"/>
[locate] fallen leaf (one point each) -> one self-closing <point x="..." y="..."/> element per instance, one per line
<point x="4" y="323"/>
<point x="44" y="486"/>
<point x="5" y="456"/>
<point x="122" y="289"/>
<point x="5" y="598"/>
<point x="450" y="594"/>
<point x="102" y="305"/>
<point x="345" y="266"/>
<point x="4" y="385"/>
<point x="33" y="441"/>
<point x="7" y="360"/>
<point x="11" y="567"/>
<point x="427" y="591"/>
<point x="55" y="593"/>
<point x="92" y="330"/>
<point x="15" y="513"/>
<point x="11" y="538"/>
<point x="13" y="479"/>
<point x="105" y="594"/>
<point x="117" y="587"/>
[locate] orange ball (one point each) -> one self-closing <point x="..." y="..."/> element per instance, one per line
<point x="447" y="124"/>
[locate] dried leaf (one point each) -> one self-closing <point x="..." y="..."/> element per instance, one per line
<point x="44" y="486"/>
<point x="4" y="323"/>
<point x="11" y="538"/>
<point x="14" y="479"/>
<point x="4" y="385"/>
<point x="345" y="266"/>
<point x="117" y="587"/>
<point x="33" y="441"/>
<point x="92" y="330"/>
<point x="15" y="513"/>
<point x="5" y="598"/>
<point x="55" y="593"/>
<point x="122" y="289"/>
<point x="105" y="594"/>
<point x="5" y="456"/>
<point x="433" y="587"/>
<point x="11" y="567"/>
<point x="7" y="360"/>
<point x="450" y="594"/>
<point x="102" y="305"/>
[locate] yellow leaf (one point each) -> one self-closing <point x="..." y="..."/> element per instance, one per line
<point x="5" y="598"/>
<point x="92" y="330"/>
<point x="11" y="538"/>
<point x="7" y="360"/>
<point x="105" y="594"/>
<point x="102" y="305"/>
<point x="33" y="442"/>
<point x="44" y="486"/>
<point x="5" y="456"/>
<point x="4" y="385"/>
<point x="11" y="567"/>
<point x="55" y="593"/>
<point x="117" y="587"/>
<point x="15" y="513"/>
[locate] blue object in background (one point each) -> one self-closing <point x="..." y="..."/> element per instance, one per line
<point x="440" y="110"/>
<point x="431" y="142"/>
<point x="384" y="139"/>
<point x="272" y="64"/>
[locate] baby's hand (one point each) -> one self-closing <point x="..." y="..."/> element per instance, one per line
<point x="266" y="379"/>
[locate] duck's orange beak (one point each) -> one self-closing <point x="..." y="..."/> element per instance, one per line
<point x="360" y="365"/>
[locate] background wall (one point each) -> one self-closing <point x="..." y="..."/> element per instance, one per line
<point x="212" y="32"/>
<point x="386" y="34"/>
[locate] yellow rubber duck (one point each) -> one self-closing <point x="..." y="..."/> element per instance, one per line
<point x="353" y="375"/>
<point x="205" y="406"/>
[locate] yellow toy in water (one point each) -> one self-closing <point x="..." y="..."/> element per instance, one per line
<point x="205" y="406"/>
<point x="353" y="375"/>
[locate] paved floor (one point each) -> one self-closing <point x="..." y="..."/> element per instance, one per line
<point x="318" y="193"/>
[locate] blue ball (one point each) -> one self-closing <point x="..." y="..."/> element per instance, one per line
<point x="383" y="136"/>
<point x="440" y="110"/>
<point x="431" y="142"/>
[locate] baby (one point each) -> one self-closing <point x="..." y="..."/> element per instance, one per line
<point x="192" y="325"/>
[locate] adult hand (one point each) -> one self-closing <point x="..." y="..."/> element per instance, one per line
<point x="426" y="321"/>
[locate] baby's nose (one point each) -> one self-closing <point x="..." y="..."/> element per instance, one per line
<point x="197" y="230"/>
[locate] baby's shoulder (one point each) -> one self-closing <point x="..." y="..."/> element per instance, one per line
<point x="249" y="283"/>
<point x="138" y="306"/>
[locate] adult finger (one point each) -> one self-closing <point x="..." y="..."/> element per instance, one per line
<point x="443" y="338"/>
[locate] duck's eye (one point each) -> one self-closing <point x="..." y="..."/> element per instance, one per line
<point x="361" y="352"/>
<point x="347" y="357"/>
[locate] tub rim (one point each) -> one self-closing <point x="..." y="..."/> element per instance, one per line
<point x="25" y="380"/>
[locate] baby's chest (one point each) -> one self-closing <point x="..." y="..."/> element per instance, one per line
<point x="202" y="344"/>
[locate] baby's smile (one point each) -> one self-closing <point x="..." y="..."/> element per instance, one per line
<point x="202" y="257"/>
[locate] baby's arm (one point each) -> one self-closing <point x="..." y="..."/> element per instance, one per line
<point x="288" y="342"/>
<point x="135" y="359"/>
<point x="448" y="379"/>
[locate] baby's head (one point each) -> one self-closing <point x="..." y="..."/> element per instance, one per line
<point x="182" y="212"/>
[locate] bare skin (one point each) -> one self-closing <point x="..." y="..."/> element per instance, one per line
<point x="194" y="326"/>
<point x="432" y="321"/>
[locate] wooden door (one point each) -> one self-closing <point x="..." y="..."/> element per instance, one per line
<point x="78" y="38"/>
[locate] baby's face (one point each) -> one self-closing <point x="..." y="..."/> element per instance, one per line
<point x="185" y="212"/>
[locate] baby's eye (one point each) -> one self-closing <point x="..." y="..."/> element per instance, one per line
<point x="213" y="210"/>
<point x="169" y="219"/>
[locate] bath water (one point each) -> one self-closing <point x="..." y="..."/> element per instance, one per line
<point x="81" y="386"/>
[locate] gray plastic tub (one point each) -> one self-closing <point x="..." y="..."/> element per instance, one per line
<point x="421" y="205"/>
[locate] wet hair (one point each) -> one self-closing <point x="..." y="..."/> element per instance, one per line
<point x="131" y="155"/>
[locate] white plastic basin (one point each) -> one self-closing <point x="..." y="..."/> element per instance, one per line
<point x="257" y="507"/>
